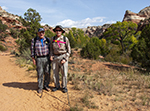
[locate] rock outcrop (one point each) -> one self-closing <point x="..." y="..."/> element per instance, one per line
<point x="137" y="17"/>
<point x="92" y="31"/>
<point x="96" y="31"/>
<point x="10" y="20"/>
<point x="142" y="24"/>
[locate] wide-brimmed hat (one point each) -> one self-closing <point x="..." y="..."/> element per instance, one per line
<point x="59" y="26"/>
<point x="41" y="30"/>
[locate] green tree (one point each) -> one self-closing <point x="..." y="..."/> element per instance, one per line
<point x="71" y="39"/>
<point x="49" y="34"/>
<point x="80" y="38"/>
<point x="31" y="21"/>
<point x="32" y="16"/>
<point x="120" y="32"/>
<point x="104" y="47"/>
<point x="141" y="51"/>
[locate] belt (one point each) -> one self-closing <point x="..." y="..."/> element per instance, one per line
<point x="59" y="54"/>
<point x="42" y="56"/>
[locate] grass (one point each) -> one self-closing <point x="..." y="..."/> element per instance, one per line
<point x="119" y="83"/>
<point x="122" y="84"/>
<point x="86" y="101"/>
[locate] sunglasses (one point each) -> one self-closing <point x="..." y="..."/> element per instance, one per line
<point x="58" y="30"/>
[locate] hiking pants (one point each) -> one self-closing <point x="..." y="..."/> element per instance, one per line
<point x="43" y="69"/>
<point x="57" y="67"/>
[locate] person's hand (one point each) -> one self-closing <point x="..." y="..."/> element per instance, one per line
<point x="34" y="61"/>
<point x="63" y="61"/>
<point x="51" y="58"/>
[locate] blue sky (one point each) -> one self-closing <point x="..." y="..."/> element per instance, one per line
<point x="76" y="13"/>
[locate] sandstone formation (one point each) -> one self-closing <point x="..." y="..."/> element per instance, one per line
<point x="142" y="24"/>
<point x="96" y="31"/>
<point x="11" y="20"/>
<point x="137" y="17"/>
<point x="92" y="31"/>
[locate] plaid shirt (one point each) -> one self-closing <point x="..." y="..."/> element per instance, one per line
<point x="39" y="49"/>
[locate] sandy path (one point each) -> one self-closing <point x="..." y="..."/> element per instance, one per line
<point x="18" y="90"/>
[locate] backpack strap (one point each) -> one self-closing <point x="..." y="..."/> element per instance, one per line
<point x="53" y="39"/>
<point x="34" y="45"/>
<point x="48" y="40"/>
<point x="65" y="41"/>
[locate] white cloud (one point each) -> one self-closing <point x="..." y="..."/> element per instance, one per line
<point x="4" y="8"/>
<point x="80" y="24"/>
<point x="110" y="22"/>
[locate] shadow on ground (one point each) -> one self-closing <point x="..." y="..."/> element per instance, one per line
<point x="21" y="85"/>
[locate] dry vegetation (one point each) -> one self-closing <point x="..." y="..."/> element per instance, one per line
<point x="125" y="87"/>
<point x="104" y="86"/>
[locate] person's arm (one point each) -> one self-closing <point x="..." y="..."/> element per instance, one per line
<point x="51" y="49"/>
<point x="68" y="51"/>
<point x="32" y="52"/>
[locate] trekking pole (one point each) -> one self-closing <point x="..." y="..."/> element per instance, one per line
<point x="41" y="94"/>
<point x="67" y="88"/>
<point x="68" y="98"/>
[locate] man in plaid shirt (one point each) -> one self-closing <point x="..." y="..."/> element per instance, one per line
<point x="40" y="49"/>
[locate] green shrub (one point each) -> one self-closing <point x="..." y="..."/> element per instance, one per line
<point x="14" y="33"/>
<point x="3" y="27"/>
<point x="26" y="54"/>
<point x="141" y="51"/>
<point x="3" y="36"/>
<point x="116" y="56"/>
<point x="113" y="55"/>
<point x="2" y="48"/>
<point x="92" y="49"/>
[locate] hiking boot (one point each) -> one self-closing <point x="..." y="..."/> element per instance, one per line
<point x="55" y="89"/>
<point x="39" y="91"/>
<point x="65" y="90"/>
<point x="47" y="88"/>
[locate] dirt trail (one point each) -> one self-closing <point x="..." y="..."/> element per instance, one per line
<point x="18" y="90"/>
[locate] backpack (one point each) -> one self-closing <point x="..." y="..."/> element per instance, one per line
<point x="63" y="38"/>
<point x="35" y="43"/>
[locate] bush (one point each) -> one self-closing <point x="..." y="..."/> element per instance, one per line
<point x="26" y="54"/>
<point x="90" y="51"/>
<point x="113" y="55"/>
<point x="3" y="36"/>
<point x="94" y="48"/>
<point x="2" y="48"/>
<point x="14" y="33"/>
<point x="3" y="27"/>
<point x="116" y="56"/>
<point x="140" y="52"/>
